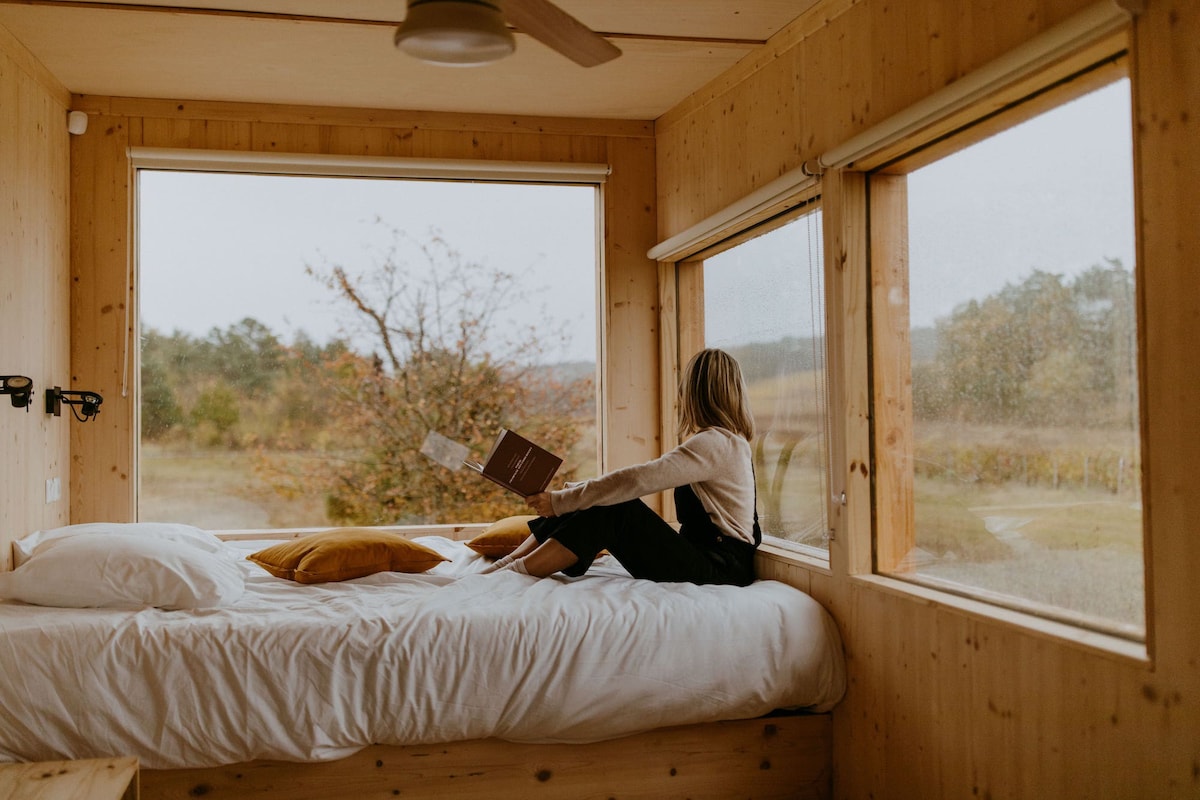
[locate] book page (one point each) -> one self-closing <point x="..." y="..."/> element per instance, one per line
<point x="445" y="451"/>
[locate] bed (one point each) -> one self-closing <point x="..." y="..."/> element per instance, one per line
<point x="289" y="673"/>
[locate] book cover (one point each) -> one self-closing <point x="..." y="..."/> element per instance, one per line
<point x="518" y="464"/>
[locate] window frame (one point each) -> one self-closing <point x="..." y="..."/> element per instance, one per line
<point x="681" y="303"/>
<point x="889" y="440"/>
<point x="143" y="158"/>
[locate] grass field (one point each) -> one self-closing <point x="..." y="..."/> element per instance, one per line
<point x="216" y="490"/>
<point x="219" y="489"/>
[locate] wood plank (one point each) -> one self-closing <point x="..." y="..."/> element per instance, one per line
<point x="27" y="62"/>
<point x="629" y="297"/>
<point x="103" y="481"/>
<point x="774" y="757"/>
<point x="683" y="339"/>
<point x="844" y="202"/>
<point x="1161" y="710"/>
<point x="891" y="358"/>
<point x="34" y="293"/>
<point x="668" y="368"/>
<point x="87" y="779"/>
<point x="211" y="110"/>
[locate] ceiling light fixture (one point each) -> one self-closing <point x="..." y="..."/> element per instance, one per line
<point x="460" y="33"/>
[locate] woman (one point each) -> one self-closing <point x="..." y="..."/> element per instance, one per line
<point x="713" y="478"/>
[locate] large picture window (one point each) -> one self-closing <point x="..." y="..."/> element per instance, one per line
<point x="301" y="336"/>
<point x="1005" y="360"/>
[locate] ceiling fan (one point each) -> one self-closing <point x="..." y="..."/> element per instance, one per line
<point x="472" y="32"/>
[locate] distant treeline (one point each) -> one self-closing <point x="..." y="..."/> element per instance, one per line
<point x="1045" y="351"/>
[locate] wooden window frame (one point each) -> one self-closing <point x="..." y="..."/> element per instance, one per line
<point x="891" y="437"/>
<point x="681" y="303"/>
<point x="358" y="167"/>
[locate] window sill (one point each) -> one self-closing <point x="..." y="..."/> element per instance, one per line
<point x="793" y="555"/>
<point x="1094" y="642"/>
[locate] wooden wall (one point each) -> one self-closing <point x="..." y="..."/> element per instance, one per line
<point x="34" y="334"/>
<point x="103" y="481"/>
<point x="946" y="699"/>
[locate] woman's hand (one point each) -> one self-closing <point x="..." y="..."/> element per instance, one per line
<point x="540" y="503"/>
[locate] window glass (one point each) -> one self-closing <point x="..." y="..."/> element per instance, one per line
<point x="764" y="303"/>
<point x="302" y="336"/>
<point x="1026" y="466"/>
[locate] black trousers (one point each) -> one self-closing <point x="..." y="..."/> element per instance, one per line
<point x="647" y="546"/>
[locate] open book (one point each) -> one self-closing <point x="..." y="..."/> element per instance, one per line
<point x="518" y="464"/>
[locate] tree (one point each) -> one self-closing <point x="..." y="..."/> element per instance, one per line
<point x="160" y="412"/>
<point x="438" y="364"/>
<point x="216" y="413"/>
<point x="247" y="356"/>
<point x="1040" y="352"/>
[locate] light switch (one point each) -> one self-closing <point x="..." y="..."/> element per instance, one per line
<point x="53" y="490"/>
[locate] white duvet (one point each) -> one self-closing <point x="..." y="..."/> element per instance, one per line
<point x="310" y="673"/>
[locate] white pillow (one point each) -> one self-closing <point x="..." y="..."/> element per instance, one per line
<point x="171" y="531"/>
<point x="123" y="571"/>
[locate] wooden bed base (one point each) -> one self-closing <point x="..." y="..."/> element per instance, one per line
<point x="769" y="757"/>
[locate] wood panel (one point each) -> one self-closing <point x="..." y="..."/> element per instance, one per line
<point x="34" y="290"/>
<point x="629" y="297"/>
<point x="891" y="371"/>
<point x="945" y="701"/>
<point x="103" y="477"/>
<point x="358" y="118"/>
<point x="844" y="200"/>
<point x="839" y="68"/>
<point x="775" y="757"/>
<point x="91" y="778"/>
<point x="1166" y="87"/>
<point x="104" y="458"/>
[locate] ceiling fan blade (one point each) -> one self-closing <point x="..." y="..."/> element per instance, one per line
<point x="554" y="27"/>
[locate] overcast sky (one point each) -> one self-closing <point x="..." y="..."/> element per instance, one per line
<point x="1053" y="194"/>
<point x="216" y="248"/>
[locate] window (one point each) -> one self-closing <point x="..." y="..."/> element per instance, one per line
<point x="300" y="335"/>
<point x="1006" y="426"/>
<point x="764" y="303"/>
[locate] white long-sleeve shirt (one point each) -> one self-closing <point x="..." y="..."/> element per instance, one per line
<point x="715" y="461"/>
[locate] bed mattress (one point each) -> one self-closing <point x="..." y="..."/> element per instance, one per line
<point x="316" y="672"/>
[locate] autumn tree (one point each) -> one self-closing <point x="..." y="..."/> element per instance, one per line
<point x="439" y="361"/>
<point x="1045" y="351"/>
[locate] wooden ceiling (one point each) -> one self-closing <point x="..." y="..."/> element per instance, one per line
<point x="340" y="53"/>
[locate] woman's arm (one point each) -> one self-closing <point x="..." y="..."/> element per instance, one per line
<point x="697" y="459"/>
<point x="541" y="504"/>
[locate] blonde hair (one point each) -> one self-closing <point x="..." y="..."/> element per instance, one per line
<point x="712" y="394"/>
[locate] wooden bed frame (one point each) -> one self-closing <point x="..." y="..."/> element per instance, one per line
<point x="778" y="756"/>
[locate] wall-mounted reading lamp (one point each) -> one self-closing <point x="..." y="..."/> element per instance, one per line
<point x="18" y="388"/>
<point x="84" y="405"/>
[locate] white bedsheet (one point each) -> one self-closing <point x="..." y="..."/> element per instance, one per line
<point x="310" y="673"/>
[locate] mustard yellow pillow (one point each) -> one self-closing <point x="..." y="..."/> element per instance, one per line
<point x="502" y="536"/>
<point x="344" y="553"/>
